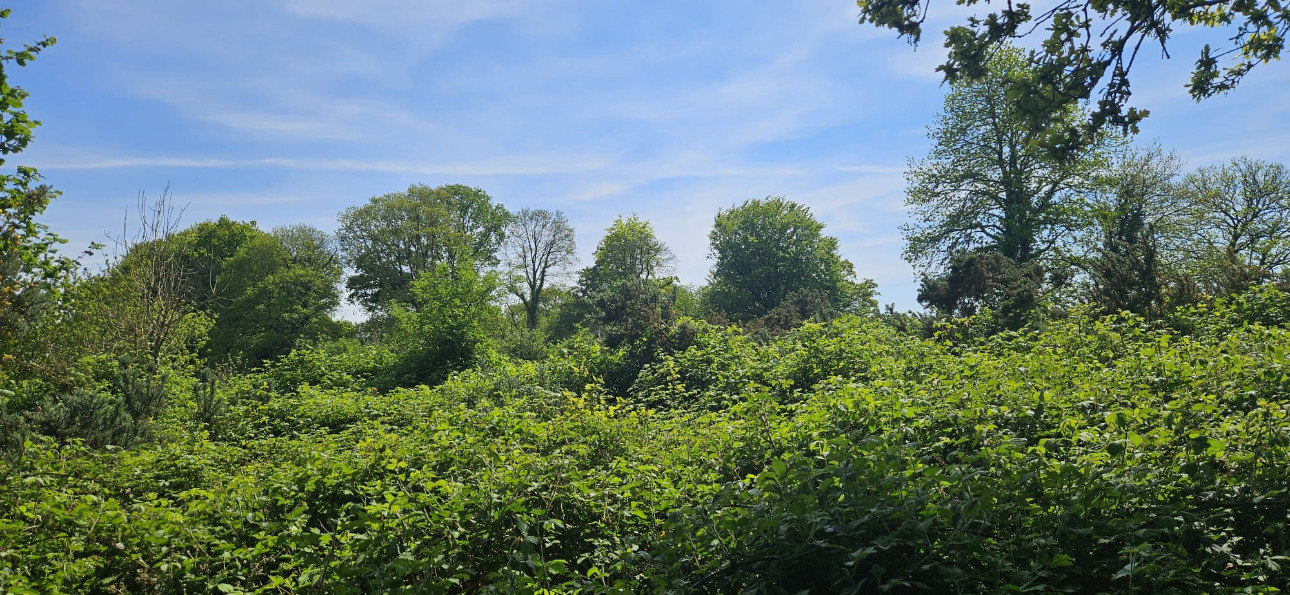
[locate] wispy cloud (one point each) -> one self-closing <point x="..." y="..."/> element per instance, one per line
<point x="519" y="165"/>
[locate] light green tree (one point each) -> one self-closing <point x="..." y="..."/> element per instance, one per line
<point x="30" y="266"/>
<point x="396" y="237"/>
<point x="987" y="184"/>
<point x="1237" y="230"/>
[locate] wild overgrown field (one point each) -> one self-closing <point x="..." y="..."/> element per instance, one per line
<point x="1094" y="400"/>
<point x="1094" y="455"/>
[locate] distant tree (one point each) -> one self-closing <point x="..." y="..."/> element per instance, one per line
<point x="207" y="246"/>
<point x="626" y="290"/>
<point x="1137" y="203"/>
<point x="987" y="184"/>
<point x="990" y="187"/>
<point x="268" y="320"/>
<point x="630" y="250"/>
<point x="396" y="237"/>
<point x="272" y="299"/>
<point x="1091" y="48"/>
<point x="1237" y="230"/>
<point x="443" y="328"/>
<point x="765" y="251"/>
<point x="310" y="247"/>
<point x="539" y="246"/>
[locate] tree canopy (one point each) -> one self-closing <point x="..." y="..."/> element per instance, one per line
<point x="987" y="183"/>
<point x="766" y="250"/>
<point x="398" y="236"/>
<point x="1092" y="47"/>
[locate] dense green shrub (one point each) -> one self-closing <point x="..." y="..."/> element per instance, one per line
<point x="1099" y="455"/>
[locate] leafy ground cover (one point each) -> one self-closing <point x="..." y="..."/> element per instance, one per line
<point x="1096" y="455"/>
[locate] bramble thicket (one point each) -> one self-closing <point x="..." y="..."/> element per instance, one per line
<point x="1095" y="399"/>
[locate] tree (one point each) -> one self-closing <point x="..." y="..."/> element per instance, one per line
<point x="1237" y="230"/>
<point x="539" y="245"/>
<point x="397" y="237"/>
<point x="30" y="266"/>
<point x="273" y="298"/>
<point x="623" y="289"/>
<point x="310" y="247"/>
<point x="984" y="280"/>
<point x="147" y="303"/>
<point x="765" y="251"/>
<point x="443" y="328"/>
<point x="986" y="183"/>
<point x="1136" y="204"/>
<point x="1091" y="48"/>
<point x="289" y="305"/>
<point x="207" y="247"/>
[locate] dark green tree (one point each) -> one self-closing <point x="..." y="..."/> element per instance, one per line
<point x="766" y="250"/>
<point x="396" y="237"/>
<point x="273" y="299"/>
<point x="206" y="248"/>
<point x="985" y="280"/>
<point x="1137" y="201"/>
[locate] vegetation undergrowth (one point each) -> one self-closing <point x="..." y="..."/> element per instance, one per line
<point x="1099" y="455"/>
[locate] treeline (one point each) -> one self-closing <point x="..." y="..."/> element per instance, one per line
<point x="1000" y="222"/>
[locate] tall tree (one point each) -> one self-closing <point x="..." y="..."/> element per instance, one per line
<point x="398" y="236"/>
<point x="986" y="183"/>
<point x="627" y="288"/>
<point x="1238" y="223"/>
<point x="765" y="251"/>
<point x="539" y="246"/>
<point x="1137" y="204"/>
<point x="989" y="186"/>
<point x="1092" y="47"/>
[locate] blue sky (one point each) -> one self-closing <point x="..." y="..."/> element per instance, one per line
<point x="286" y="111"/>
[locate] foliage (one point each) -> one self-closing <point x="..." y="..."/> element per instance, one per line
<point x="1091" y="48"/>
<point x="986" y="184"/>
<point x="442" y="329"/>
<point x="30" y="266"/>
<point x="311" y="248"/>
<point x="1133" y="213"/>
<point x="539" y="245"/>
<point x="767" y="250"/>
<point x="986" y="282"/>
<point x="122" y="415"/>
<point x="627" y="300"/>
<point x="205" y="249"/>
<point x="1101" y="455"/>
<point x="1237" y="224"/>
<point x="274" y="301"/>
<point x="396" y="237"/>
<point x="629" y="250"/>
